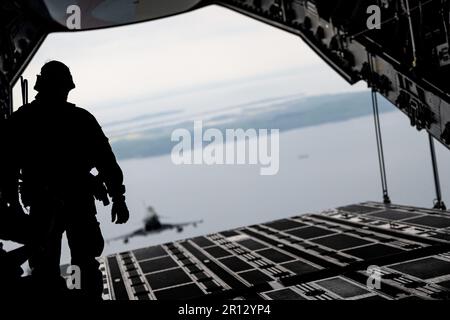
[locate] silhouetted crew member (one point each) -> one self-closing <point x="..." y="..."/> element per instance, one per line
<point x="55" y="145"/>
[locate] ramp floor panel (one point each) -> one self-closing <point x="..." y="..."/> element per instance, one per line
<point x="361" y="251"/>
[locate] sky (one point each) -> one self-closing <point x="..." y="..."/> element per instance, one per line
<point x="206" y="60"/>
<point x="163" y="64"/>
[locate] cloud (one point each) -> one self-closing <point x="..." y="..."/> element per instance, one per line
<point x="207" y="46"/>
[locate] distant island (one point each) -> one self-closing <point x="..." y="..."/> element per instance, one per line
<point x="282" y="113"/>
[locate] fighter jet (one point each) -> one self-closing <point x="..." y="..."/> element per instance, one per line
<point x="153" y="224"/>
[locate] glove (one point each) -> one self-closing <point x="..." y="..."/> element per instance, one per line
<point x="119" y="212"/>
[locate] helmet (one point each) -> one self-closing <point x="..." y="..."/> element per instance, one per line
<point x="54" y="75"/>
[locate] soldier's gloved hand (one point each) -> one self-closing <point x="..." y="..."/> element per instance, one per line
<point x="119" y="211"/>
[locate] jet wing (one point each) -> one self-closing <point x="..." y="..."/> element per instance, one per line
<point x="139" y="232"/>
<point x="185" y="224"/>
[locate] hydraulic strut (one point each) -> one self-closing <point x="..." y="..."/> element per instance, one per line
<point x="376" y="119"/>
<point x="438" y="203"/>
